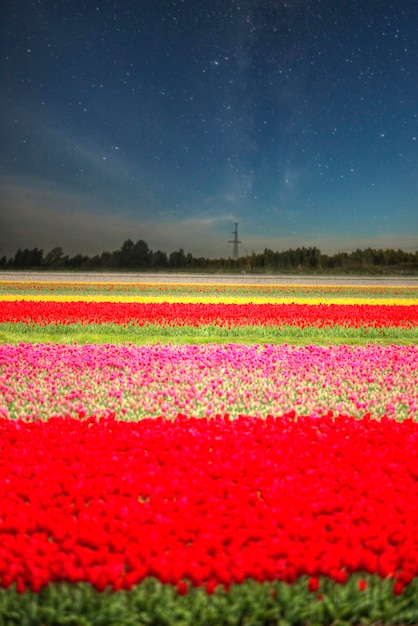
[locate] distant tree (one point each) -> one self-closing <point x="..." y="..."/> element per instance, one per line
<point x="141" y="255"/>
<point x="55" y="258"/>
<point x="16" y="262"/>
<point x="190" y="261"/>
<point x="177" y="259"/>
<point x="93" y="263"/>
<point x="126" y="253"/>
<point x="315" y="258"/>
<point x="340" y="259"/>
<point x="134" y="255"/>
<point x="269" y="259"/>
<point x="378" y="257"/>
<point x="26" y="258"/>
<point x="326" y="262"/>
<point x="159" y="260"/>
<point x="78" y="261"/>
<point x="109" y="260"/>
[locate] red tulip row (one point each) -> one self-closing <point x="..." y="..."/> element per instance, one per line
<point x="203" y="502"/>
<point x="226" y="315"/>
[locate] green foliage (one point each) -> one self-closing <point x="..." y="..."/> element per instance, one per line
<point x="249" y="604"/>
<point x="134" y="256"/>
<point x="152" y="333"/>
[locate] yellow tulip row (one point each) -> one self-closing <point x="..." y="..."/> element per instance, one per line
<point x="203" y="299"/>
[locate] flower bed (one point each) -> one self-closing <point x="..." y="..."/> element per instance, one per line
<point x="224" y="315"/>
<point x="207" y="502"/>
<point x="326" y="293"/>
<point x="136" y="476"/>
<point x="38" y="381"/>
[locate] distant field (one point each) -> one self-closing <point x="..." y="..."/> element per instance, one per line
<point x="242" y="279"/>
<point x="239" y="442"/>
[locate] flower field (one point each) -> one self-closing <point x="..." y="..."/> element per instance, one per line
<point x="135" y="382"/>
<point x="208" y="481"/>
<point x="219" y="314"/>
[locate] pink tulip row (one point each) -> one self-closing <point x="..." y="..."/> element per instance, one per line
<point x="207" y="501"/>
<point x="39" y="381"/>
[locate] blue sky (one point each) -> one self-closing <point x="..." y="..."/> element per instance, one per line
<point x="171" y="121"/>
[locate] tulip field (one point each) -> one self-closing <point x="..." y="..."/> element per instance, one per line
<point x="208" y="454"/>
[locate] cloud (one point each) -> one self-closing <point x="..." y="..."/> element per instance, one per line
<point x="45" y="216"/>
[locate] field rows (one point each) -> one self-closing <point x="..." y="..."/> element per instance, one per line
<point x="206" y="462"/>
<point x="200" y="292"/>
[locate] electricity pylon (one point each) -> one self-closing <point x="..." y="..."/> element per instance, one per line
<point x="235" y="241"/>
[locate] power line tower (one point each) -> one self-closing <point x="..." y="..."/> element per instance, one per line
<point x="235" y="241"/>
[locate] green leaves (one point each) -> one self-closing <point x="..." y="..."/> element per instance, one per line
<point x="249" y="604"/>
<point x="209" y="333"/>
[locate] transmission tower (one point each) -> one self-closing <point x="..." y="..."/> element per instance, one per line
<point x="235" y="241"/>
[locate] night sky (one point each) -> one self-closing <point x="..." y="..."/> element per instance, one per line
<point x="168" y="121"/>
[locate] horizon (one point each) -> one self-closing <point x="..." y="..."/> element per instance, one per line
<point x="241" y="255"/>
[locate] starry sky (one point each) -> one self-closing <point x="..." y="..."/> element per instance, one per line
<point x="169" y="121"/>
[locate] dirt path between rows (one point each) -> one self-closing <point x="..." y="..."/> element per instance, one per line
<point x="226" y="279"/>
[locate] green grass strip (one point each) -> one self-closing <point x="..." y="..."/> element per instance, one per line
<point x="252" y="604"/>
<point x="210" y="333"/>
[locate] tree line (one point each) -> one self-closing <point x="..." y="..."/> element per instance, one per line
<point x="138" y="256"/>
